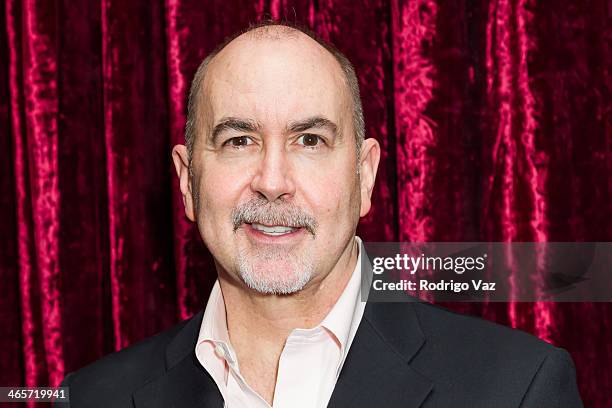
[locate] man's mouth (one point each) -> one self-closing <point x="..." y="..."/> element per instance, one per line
<point x="273" y="230"/>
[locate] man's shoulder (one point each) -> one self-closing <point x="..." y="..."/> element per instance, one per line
<point x="488" y="359"/>
<point x="469" y="332"/>
<point x="470" y="361"/>
<point x="111" y="380"/>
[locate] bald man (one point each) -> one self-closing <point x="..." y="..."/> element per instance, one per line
<point x="276" y="173"/>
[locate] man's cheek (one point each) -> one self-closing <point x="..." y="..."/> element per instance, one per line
<point x="332" y="199"/>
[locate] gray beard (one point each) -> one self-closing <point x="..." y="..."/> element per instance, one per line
<point x="260" y="273"/>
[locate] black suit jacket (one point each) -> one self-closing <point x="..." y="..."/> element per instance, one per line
<point x="404" y="355"/>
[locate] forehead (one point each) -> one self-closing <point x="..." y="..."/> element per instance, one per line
<point x="275" y="80"/>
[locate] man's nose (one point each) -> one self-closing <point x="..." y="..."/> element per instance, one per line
<point x="273" y="178"/>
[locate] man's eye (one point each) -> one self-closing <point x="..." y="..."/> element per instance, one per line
<point x="239" y="141"/>
<point x="310" y="140"/>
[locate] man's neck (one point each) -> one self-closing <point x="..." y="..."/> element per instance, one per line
<point x="259" y="325"/>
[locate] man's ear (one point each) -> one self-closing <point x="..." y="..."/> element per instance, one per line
<point x="180" y="157"/>
<point x="368" y="165"/>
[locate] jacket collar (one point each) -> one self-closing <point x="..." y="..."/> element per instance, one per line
<point x="377" y="370"/>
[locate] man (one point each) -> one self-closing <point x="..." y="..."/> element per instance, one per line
<point x="276" y="173"/>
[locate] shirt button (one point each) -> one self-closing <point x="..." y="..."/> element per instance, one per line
<point x="219" y="351"/>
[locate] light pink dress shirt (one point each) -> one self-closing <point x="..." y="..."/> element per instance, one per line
<point x="309" y="364"/>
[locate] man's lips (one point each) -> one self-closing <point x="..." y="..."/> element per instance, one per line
<point x="272" y="231"/>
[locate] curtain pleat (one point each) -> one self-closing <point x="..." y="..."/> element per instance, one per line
<point x="136" y="147"/>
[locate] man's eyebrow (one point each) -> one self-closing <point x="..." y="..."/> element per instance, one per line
<point x="237" y="124"/>
<point x="315" y="122"/>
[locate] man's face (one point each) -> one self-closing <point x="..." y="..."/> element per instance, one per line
<point x="275" y="164"/>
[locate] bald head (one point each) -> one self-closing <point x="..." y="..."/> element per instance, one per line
<point x="270" y="58"/>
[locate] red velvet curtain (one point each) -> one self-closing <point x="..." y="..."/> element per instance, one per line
<point x="494" y="117"/>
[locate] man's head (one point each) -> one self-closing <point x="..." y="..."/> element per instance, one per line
<point x="276" y="172"/>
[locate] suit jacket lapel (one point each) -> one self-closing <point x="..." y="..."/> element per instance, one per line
<point x="185" y="383"/>
<point x="376" y="372"/>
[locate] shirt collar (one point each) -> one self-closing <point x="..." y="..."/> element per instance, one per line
<point x="340" y="318"/>
<point x="214" y="322"/>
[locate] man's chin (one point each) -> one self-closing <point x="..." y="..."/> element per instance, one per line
<point x="275" y="278"/>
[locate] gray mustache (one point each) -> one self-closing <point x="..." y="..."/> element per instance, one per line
<point x="261" y="211"/>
